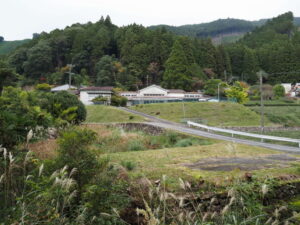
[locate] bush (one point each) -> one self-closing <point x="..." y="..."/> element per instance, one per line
<point x="255" y="98"/>
<point x="20" y="113"/>
<point x="118" y="101"/>
<point x="135" y="145"/>
<point x="74" y="151"/>
<point x="172" y="138"/>
<point x="237" y="92"/>
<point x="43" y="87"/>
<point x="61" y="101"/>
<point x="278" y="91"/>
<point x="128" y="165"/>
<point x="184" y="142"/>
<point x="211" y="87"/>
<point x="99" y="99"/>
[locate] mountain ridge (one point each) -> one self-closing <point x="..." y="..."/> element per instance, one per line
<point x="218" y="29"/>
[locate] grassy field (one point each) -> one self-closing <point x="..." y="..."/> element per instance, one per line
<point x="151" y="156"/>
<point x="284" y="115"/>
<point x="290" y="134"/>
<point x="274" y="102"/>
<point x="108" y="114"/>
<point x="155" y="163"/>
<point x="117" y="139"/>
<point x="211" y="113"/>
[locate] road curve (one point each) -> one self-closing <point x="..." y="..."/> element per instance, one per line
<point x="184" y="129"/>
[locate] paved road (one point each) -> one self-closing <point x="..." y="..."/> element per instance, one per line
<point x="184" y="129"/>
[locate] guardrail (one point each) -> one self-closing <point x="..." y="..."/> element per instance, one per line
<point x="233" y="132"/>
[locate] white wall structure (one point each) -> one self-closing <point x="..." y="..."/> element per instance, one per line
<point x="287" y="87"/>
<point x="89" y="93"/>
<point x="155" y="93"/>
<point x="152" y="91"/>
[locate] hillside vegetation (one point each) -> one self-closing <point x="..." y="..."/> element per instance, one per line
<point x="214" y="114"/>
<point x="132" y="57"/>
<point x="108" y="114"/>
<point x="234" y="29"/>
<point x="286" y="115"/>
<point x="7" y="47"/>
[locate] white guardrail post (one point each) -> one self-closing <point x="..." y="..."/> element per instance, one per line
<point x="232" y="132"/>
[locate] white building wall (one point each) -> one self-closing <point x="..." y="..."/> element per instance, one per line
<point x="87" y="96"/>
<point x="151" y="91"/>
<point x="84" y="98"/>
<point x="287" y="87"/>
<point x="176" y="95"/>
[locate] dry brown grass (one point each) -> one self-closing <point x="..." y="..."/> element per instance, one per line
<point x="101" y="130"/>
<point x="45" y="149"/>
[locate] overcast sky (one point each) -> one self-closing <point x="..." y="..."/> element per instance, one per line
<point x="19" y="19"/>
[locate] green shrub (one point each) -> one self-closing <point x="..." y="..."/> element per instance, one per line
<point x="43" y="87"/>
<point x="278" y="91"/>
<point x="74" y="151"/>
<point x="211" y="87"/>
<point x="135" y="145"/>
<point x="99" y="99"/>
<point x="255" y="98"/>
<point x="172" y="138"/>
<point x="20" y="113"/>
<point x="128" y="165"/>
<point x="184" y="142"/>
<point x="61" y="101"/>
<point x="118" y="100"/>
<point x="131" y="117"/>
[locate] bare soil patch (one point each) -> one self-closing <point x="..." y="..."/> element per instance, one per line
<point x="244" y="163"/>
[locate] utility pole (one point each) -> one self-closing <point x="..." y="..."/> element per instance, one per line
<point x="219" y="91"/>
<point x="183" y="109"/>
<point x="262" y="120"/>
<point x="70" y="73"/>
<point x="147" y="80"/>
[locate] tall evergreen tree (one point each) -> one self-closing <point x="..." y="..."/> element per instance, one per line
<point x="250" y="66"/>
<point x="176" y="74"/>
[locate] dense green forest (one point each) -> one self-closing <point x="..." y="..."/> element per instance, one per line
<point x="9" y="46"/>
<point x="132" y="57"/>
<point x="233" y="29"/>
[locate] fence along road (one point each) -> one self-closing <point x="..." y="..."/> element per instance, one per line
<point x="233" y="132"/>
<point x="184" y="129"/>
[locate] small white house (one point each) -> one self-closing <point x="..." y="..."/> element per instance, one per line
<point x="89" y="93"/>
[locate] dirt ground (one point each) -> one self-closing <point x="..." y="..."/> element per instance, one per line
<point x="244" y="163"/>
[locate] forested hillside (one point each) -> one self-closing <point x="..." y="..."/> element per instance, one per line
<point x="231" y="29"/>
<point x="273" y="47"/>
<point x="132" y="57"/>
<point x="9" y="46"/>
<point x="212" y="29"/>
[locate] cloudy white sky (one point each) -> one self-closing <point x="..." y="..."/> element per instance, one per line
<point x="19" y="19"/>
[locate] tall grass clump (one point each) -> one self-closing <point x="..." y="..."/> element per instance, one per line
<point x="44" y="192"/>
<point x="242" y="203"/>
<point x="136" y="145"/>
